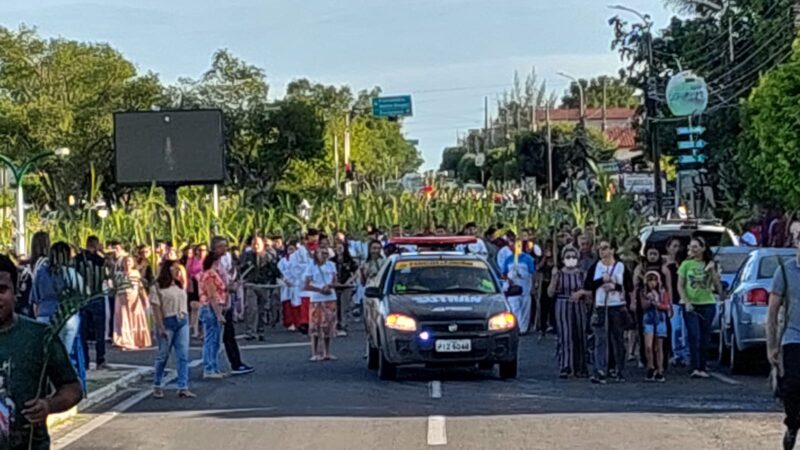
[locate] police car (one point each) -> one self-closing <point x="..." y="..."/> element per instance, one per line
<point x="439" y="308"/>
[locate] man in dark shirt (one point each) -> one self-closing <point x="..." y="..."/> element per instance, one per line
<point x="259" y="268"/>
<point x="92" y="266"/>
<point x="27" y="349"/>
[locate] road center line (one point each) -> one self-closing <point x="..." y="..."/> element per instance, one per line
<point x="435" y="389"/>
<point x="723" y="378"/>
<point x="437" y="430"/>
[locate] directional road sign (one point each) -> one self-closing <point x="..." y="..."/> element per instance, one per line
<point x="685" y="131"/>
<point x="691" y="145"/>
<point x="691" y="159"/>
<point x="397" y="106"/>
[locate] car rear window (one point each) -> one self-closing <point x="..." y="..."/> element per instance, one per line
<point x="442" y="276"/>
<point x="769" y="264"/>
<point x="731" y="262"/>
<point x="660" y="238"/>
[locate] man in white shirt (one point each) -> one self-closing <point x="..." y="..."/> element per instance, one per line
<point x="298" y="263"/>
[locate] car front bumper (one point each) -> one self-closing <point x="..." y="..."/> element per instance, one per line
<point x="490" y="347"/>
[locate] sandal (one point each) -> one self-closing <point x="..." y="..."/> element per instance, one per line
<point x="185" y="393"/>
<point x="158" y="393"/>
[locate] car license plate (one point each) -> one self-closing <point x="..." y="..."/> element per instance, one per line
<point x="453" y="345"/>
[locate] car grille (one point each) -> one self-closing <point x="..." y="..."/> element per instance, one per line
<point x="443" y="328"/>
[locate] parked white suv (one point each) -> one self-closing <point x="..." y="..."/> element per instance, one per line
<point x="714" y="233"/>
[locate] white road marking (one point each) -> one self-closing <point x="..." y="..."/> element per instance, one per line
<point x="437" y="430"/>
<point x="106" y="417"/>
<point x="273" y="346"/>
<point x="723" y="378"/>
<point x="435" y="389"/>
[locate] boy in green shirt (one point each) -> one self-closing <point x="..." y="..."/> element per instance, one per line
<point x="27" y="348"/>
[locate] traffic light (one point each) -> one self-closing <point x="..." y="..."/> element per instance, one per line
<point x="350" y="171"/>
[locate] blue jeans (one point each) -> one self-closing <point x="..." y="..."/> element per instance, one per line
<point x="698" y="330"/>
<point x="177" y="337"/>
<point x="680" y="346"/>
<point x="211" y="327"/>
<point x="69" y="332"/>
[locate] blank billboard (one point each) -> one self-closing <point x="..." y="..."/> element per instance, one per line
<point x="169" y="147"/>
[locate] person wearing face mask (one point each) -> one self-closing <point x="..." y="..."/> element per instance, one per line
<point x="290" y="301"/>
<point x="566" y="285"/>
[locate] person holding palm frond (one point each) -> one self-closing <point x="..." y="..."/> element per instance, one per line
<point x="33" y="362"/>
<point x="131" y="327"/>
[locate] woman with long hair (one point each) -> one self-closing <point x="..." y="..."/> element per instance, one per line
<point x="131" y="328"/>
<point x="172" y="328"/>
<point x="651" y="262"/>
<point x="698" y="279"/>
<point x="142" y="257"/>
<point x="346" y="268"/>
<point x="213" y="300"/>
<point x="320" y="281"/>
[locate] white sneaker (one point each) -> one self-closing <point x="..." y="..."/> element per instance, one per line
<point x="341" y="333"/>
<point x="292" y="328"/>
<point x="213" y="376"/>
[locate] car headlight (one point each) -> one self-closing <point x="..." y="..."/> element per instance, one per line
<point x="502" y="321"/>
<point x="401" y="322"/>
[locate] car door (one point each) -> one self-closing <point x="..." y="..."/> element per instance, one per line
<point x="744" y="277"/>
<point x="726" y="303"/>
<point x="372" y="305"/>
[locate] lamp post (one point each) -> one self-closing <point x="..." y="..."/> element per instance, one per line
<point x="19" y="171"/>
<point x="580" y="92"/>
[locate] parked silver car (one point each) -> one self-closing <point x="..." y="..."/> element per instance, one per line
<point x="744" y="311"/>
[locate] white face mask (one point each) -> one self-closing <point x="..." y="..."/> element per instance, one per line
<point x="570" y="263"/>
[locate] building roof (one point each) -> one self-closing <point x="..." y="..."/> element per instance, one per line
<point x="574" y="114"/>
<point x="623" y="137"/>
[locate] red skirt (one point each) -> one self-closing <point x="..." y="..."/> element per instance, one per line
<point x="304" y="311"/>
<point x="291" y="314"/>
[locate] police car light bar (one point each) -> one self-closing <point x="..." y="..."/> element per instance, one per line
<point x="434" y="241"/>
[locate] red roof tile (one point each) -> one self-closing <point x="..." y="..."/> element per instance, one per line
<point x="624" y="137"/>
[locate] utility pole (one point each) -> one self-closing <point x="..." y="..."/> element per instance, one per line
<point x="549" y="151"/>
<point x="605" y="105"/>
<point x="336" y="160"/>
<point x="651" y="125"/>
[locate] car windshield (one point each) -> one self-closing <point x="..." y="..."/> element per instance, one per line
<point x="769" y="264"/>
<point x="437" y="276"/>
<point x="730" y="262"/>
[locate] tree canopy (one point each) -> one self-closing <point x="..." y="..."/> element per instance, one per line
<point x="618" y="93"/>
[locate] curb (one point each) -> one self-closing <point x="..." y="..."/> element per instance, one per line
<point x="101" y="394"/>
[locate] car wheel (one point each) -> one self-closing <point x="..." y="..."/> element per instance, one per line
<point x="486" y="365"/>
<point x="738" y="357"/>
<point x="386" y="370"/>
<point x="508" y="369"/>
<point x="372" y="356"/>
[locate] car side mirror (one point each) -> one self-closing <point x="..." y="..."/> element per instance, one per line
<point x="514" y="291"/>
<point x="372" y="292"/>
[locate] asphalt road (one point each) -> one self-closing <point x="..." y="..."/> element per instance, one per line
<point x="291" y="403"/>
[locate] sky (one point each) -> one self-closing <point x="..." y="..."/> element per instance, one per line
<point x="447" y="54"/>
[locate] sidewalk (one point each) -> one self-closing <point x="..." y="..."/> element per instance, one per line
<point x="102" y="384"/>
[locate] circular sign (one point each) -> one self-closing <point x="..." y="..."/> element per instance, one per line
<point x="687" y="94"/>
<point x="480" y="160"/>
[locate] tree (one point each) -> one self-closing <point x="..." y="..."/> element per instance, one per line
<point x="762" y="36"/>
<point x="61" y="93"/>
<point x="618" y="93"/>
<point x="770" y="154"/>
<point x="451" y="156"/>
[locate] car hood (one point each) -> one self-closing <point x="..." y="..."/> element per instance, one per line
<point x="444" y="307"/>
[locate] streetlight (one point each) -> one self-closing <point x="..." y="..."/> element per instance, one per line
<point x="580" y="92"/>
<point x="19" y="172"/>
